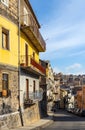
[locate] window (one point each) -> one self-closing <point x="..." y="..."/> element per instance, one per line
<point x="34" y="55"/>
<point x="5" y="2"/>
<point x="34" y="86"/>
<point x="27" y="89"/>
<point x="5" y="85"/>
<point x="5" y="39"/>
<point x="25" y="16"/>
<point x="4" y="81"/>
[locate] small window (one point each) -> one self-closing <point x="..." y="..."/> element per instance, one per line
<point x="5" y="86"/>
<point x="34" y="86"/>
<point x="4" y="81"/>
<point x="25" y="16"/>
<point x="34" y="55"/>
<point x="5" y="2"/>
<point x="5" y="39"/>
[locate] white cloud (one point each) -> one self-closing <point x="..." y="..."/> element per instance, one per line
<point x="66" y="37"/>
<point x="75" y="68"/>
<point x="66" y="30"/>
<point x="77" y="53"/>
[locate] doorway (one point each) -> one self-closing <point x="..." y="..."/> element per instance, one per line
<point x="26" y="54"/>
<point x="27" y="89"/>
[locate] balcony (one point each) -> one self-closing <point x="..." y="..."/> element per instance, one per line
<point x="30" y="29"/>
<point x="36" y="96"/>
<point x="32" y="98"/>
<point x="32" y="65"/>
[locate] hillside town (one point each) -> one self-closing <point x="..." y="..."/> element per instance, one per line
<point x="29" y="88"/>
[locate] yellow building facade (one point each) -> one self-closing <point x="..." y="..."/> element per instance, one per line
<point x="31" y="43"/>
<point x="9" y="55"/>
<point x="26" y="45"/>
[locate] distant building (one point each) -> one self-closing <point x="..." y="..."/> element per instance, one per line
<point x="63" y="94"/>
<point x="80" y="98"/>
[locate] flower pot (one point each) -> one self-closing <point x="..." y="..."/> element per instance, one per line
<point x="4" y="93"/>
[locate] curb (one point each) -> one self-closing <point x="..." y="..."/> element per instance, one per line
<point x="43" y="126"/>
<point x="35" y="128"/>
<point x="47" y="124"/>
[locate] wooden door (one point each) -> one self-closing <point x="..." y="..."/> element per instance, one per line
<point x="26" y="54"/>
<point x="34" y="89"/>
<point x="34" y="86"/>
<point x="27" y="89"/>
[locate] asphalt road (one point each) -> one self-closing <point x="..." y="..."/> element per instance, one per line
<point x="66" y="121"/>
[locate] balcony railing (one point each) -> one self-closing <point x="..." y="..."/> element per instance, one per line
<point x="36" y="96"/>
<point x="30" y="28"/>
<point x="37" y="65"/>
<point x="33" y="96"/>
<point x="28" y="61"/>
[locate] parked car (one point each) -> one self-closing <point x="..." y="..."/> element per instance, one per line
<point x="70" y="110"/>
<point x="82" y="112"/>
<point x="74" y="110"/>
<point x="77" y="111"/>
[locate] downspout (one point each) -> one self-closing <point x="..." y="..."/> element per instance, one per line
<point x="20" y="112"/>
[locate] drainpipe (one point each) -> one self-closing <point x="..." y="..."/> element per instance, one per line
<point x="82" y="94"/>
<point x="20" y="112"/>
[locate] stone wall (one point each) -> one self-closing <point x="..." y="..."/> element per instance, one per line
<point x="9" y="105"/>
<point x="12" y="99"/>
<point x="31" y="114"/>
<point x="11" y="120"/>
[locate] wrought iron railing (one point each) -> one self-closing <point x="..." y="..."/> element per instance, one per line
<point x="33" y="96"/>
<point x="36" y="96"/>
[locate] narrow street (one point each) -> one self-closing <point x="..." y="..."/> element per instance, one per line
<point x="66" y="121"/>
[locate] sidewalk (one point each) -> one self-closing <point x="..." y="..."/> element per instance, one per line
<point x="35" y="126"/>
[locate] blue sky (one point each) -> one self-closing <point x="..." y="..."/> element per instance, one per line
<point x="63" y="27"/>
